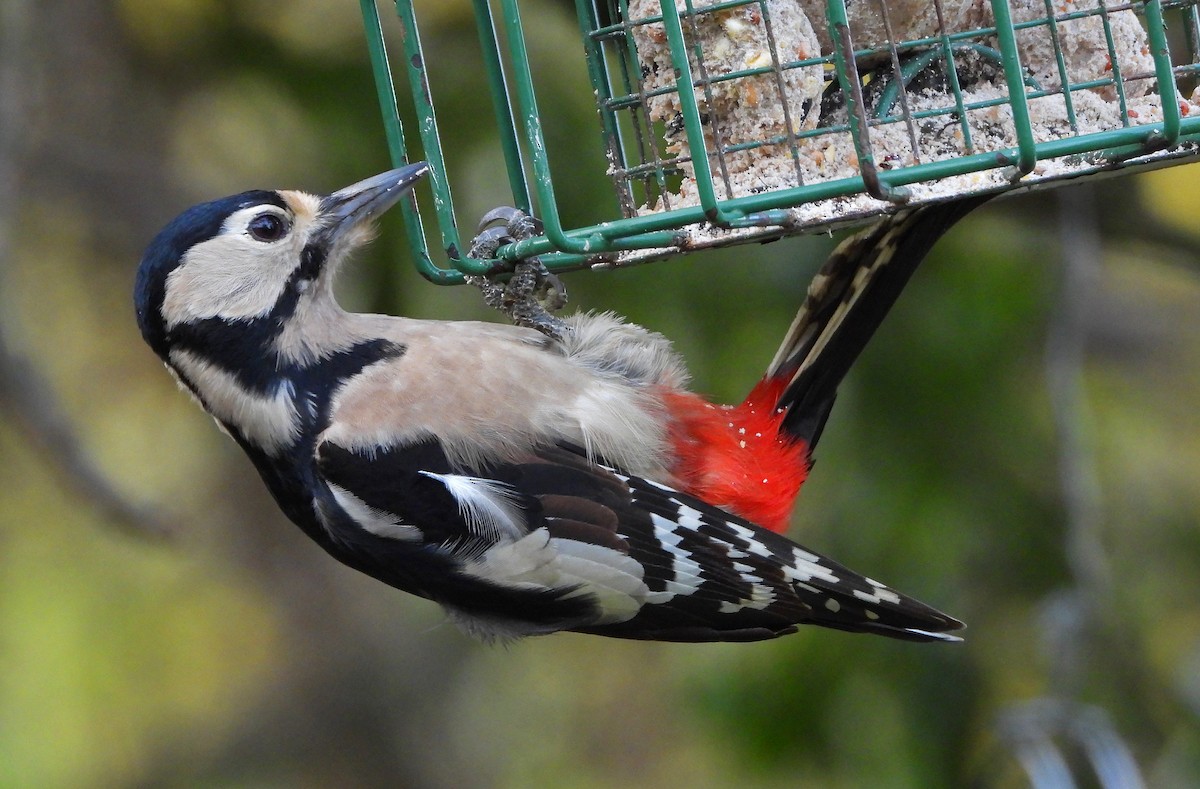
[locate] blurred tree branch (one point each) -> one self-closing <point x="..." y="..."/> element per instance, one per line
<point x="24" y="392"/>
<point x="30" y="399"/>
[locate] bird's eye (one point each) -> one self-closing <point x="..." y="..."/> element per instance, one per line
<point x="267" y="227"/>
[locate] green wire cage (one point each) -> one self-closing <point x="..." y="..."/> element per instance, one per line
<point x="745" y="120"/>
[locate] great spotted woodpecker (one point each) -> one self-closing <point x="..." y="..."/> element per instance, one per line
<point x="528" y="484"/>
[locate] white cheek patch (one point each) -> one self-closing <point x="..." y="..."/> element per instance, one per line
<point x="270" y="422"/>
<point x="231" y="275"/>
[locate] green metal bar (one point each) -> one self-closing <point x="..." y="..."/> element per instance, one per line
<point x="847" y="73"/>
<point x="1014" y="78"/>
<point x="788" y="124"/>
<point x="639" y="118"/>
<point x="414" y="227"/>
<point x="887" y="98"/>
<point x="973" y="34"/>
<point x="693" y="128"/>
<point x="910" y="69"/>
<point x="610" y="130"/>
<point x="710" y="101"/>
<point x="1114" y="62"/>
<point x="1103" y="146"/>
<point x="384" y="87"/>
<point x="894" y="59"/>
<point x="702" y="8"/>
<point x="777" y="139"/>
<point x="1191" y="33"/>
<point x="1112" y="158"/>
<point x="1156" y="30"/>
<point x="536" y="139"/>
<point x="947" y="48"/>
<point x="506" y="124"/>
<point x="1064" y="79"/>
<point x="562" y="248"/>
<point x="560" y="262"/>
<point x="443" y="202"/>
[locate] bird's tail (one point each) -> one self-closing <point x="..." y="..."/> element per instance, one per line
<point x="846" y="302"/>
<point x="753" y="458"/>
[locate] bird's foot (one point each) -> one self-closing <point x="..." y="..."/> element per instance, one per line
<point x="524" y="290"/>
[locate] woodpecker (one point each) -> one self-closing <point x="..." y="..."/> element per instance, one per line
<point x="528" y="484"/>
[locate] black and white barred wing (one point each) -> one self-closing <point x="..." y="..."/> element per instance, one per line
<point x="402" y="515"/>
<point x="714" y="576"/>
<point x="556" y="542"/>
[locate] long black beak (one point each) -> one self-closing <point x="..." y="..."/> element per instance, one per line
<point x="366" y="199"/>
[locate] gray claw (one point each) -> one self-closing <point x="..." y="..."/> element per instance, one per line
<point x="484" y="245"/>
<point x="531" y="292"/>
<point x="552" y="293"/>
<point x="504" y="213"/>
<point x="518" y="224"/>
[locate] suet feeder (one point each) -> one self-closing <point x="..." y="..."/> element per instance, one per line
<point x="746" y="120"/>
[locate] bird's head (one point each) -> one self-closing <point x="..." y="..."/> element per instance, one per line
<point x="253" y="258"/>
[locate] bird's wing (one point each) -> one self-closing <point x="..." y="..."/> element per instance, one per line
<point x="551" y="540"/>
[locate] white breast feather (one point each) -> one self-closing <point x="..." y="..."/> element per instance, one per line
<point x="604" y="342"/>
<point x="624" y="427"/>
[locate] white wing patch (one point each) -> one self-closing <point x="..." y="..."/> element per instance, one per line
<point x="490" y="509"/>
<point x="612" y="578"/>
<point x="376" y="521"/>
<point x="761" y="596"/>
<point x="524" y="562"/>
<point x="538" y="561"/>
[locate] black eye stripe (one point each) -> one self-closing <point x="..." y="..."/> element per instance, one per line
<point x="267" y="227"/>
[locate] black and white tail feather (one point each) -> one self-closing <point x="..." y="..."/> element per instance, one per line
<point x="847" y="300"/>
<point x="445" y="459"/>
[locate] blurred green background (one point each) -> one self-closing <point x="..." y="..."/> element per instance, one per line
<point x="1020" y="446"/>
